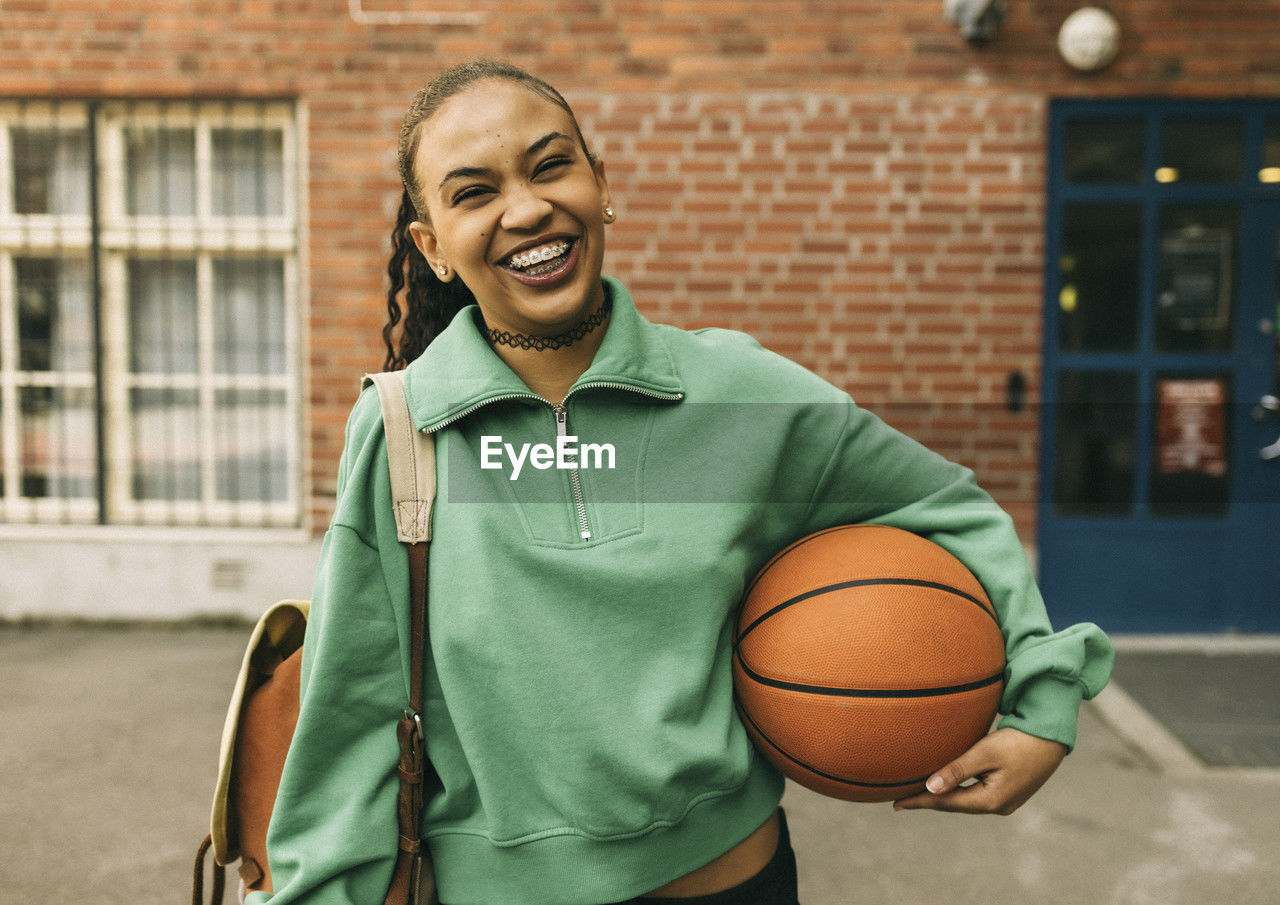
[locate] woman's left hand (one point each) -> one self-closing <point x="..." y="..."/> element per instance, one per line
<point x="1008" y="766"/>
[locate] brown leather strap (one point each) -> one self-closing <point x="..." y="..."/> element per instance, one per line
<point x="412" y="767"/>
<point x="197" y="880"/>
<point x="418" y="622"/>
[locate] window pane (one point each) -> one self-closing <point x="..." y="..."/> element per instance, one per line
<point x="1104" y="149"/>
<point x="50" y="171"/>
<point x="160" y="164"/>
<point x="55" y="314"/>
<point x="248" y="316"/>
<point x="1093" y="473"/>
<point x="1195" y="277"/>
<point x="248" y="172"/>
<point x="1189" y="469"/>
<point x="1099" y="276"/>
<point x="252" y="458"/>
<point x="166" y="444"/>
<point x="1202" y="149"/>
<point x="162" y="316"/>
<point x="59" y="447"/>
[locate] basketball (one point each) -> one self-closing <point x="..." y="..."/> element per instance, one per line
<point x="865" y="658"/>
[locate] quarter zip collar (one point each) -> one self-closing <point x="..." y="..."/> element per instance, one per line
<point x="459" y="373"/>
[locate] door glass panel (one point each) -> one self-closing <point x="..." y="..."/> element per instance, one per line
<point x="1205" y="149"/>
<point x="1104" y="149"/>
<point x="1272" y="440"/>
<point x="1270" y="172"/>
<point x="1195" y="294"/>
<point x="1192" y="438"/>
<point x="1094" y="465"/>
<point x="1275" y="322"/>
<point x="1099" y="282"/>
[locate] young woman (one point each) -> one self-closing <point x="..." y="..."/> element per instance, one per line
<point x="579" y="701"/>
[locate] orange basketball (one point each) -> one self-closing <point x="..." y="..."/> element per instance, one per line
<point x="866" y="658"/>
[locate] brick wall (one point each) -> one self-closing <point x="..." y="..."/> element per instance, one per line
<point x="847" y="180"/>
<point x="890" y="243"/>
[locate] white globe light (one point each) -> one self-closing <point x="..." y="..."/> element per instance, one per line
<point x="1089" y="38"/>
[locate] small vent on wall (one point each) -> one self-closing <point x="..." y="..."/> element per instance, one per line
<point x="228" y="574"/>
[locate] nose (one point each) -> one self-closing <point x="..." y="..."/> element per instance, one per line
<point x="525" y="209"/>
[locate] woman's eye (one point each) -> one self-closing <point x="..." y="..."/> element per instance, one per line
<point x="474" y="191"/>
<point x="550" y="164"/>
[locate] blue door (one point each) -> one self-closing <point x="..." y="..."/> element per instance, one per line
<point x="1160" y="471"/>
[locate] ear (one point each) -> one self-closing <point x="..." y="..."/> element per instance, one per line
<point x="597" y="166"/>
<point x="425" y="238"/>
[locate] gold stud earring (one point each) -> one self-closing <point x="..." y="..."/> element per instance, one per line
<point x="609" y="216"/>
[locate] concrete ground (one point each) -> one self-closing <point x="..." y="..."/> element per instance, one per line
<point x="107" y="755"/>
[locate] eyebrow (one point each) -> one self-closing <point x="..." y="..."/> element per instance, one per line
<point x="465" y="172"/>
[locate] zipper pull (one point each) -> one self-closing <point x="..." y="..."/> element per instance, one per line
<point x="562" y="420"/>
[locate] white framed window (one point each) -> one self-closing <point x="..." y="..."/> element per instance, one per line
<point x="149" y="313"/>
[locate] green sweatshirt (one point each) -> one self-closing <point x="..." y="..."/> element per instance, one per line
<point x="579" y="697"/>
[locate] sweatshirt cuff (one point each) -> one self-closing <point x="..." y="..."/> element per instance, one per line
<point x="1048" y="708"/>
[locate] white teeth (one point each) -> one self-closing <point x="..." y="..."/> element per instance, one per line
<point x="538" y="255"/>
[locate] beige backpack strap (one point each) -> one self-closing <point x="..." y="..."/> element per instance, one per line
<point x="411" y="456"/>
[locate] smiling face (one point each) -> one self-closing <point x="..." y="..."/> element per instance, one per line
<point x="514" y="207"/>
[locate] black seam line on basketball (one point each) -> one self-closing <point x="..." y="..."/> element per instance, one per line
<point x="870" y="692"/>
<point x="840" y="779"/>
<point x="800" y="543"/>
<point x="869" y="582"/>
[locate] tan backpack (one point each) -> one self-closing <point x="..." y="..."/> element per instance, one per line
<point x="264" y="702"/>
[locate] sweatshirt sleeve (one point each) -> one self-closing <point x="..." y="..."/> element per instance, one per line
<point x="333" y="836"/>
<point x="876" y="474"/>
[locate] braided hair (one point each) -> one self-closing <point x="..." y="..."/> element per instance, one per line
<point x="420" y="304"/>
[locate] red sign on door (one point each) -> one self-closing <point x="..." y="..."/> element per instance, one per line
<point x="1191" y="427"/>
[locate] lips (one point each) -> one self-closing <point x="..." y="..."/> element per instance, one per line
<point x="542" y="262"/>
<point x="531" y="259"/>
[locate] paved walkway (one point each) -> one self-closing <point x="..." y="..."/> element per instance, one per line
<point x="107" y="741"/>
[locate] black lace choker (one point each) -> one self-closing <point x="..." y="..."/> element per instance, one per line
<point x="559" y="341"/>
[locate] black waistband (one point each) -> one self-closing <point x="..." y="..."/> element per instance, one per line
<point x="775" y="884"/>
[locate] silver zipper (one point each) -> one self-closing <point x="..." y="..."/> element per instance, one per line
<point x="479" y="405"/>
<point x="653" y="394"/>
<point x="562" y="429"/>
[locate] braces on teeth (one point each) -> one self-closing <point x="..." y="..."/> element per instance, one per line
<point x="537" y="256"/>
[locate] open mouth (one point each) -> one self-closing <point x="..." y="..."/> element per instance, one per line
<point x="543" y="263"/>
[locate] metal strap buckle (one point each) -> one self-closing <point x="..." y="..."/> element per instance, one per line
<point x="417" y="724"/>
